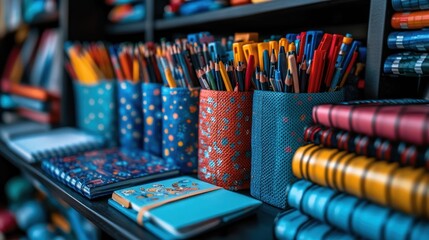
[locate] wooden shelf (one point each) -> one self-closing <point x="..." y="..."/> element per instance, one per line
<point x="117" y="225"/>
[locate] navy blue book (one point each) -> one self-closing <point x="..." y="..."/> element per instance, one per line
<point x="100" y="172"/>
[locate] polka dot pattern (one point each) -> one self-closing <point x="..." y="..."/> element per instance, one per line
<point x="152" y="115"/>
<point x="224" y="138"/>
<point x="96" y="109"/>
<point x="180" y="138"/>
<point x="130" y="115"/>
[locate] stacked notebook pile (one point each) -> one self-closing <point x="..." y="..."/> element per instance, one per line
<point x="410" y="21"/>
<point x="363" y="173"/>
<point x="31" y="76"/>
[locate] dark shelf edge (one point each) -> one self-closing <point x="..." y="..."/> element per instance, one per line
<point x="126" y="28"/>
<point x="127" y="230"/>
<point x="233" y="13"/>
<point x="45" y="18"/>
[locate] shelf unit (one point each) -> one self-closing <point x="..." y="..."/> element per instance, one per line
<point x="86" y="21"/>
<point x="118" y="226"/>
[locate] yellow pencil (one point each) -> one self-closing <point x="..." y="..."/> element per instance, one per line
<point x="225" y="77"/>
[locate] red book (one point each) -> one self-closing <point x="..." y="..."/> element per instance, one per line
<point x="408" y="123"/>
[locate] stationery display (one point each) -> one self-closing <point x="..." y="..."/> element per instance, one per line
<point x="100" y="172"/>
<point x="126" y="63"/>
<point x="180" y="127"/>
<point x="59" y="142"/>
<point x="95" y="97"/>
<point x="278" y="122"/>
<point x="224" y="138"/>
<point x="354" y="215"/>
<point x="303" y="70"/>
<point x="378" y="181"/>
<point x="201" y="206"/>
<point x="380" y="148"/>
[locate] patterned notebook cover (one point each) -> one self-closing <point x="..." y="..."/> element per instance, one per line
<point x="181" y="207"/>
<point x="98" y="173"/>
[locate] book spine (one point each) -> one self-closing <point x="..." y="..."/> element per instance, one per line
<point x="385" y="183"/>
<point x="62" y="176"/>
<point x="397" y="123"/>
<point x="383" y="149"/>
<point x="292" y="225"/>
<point x="353" y="215"/>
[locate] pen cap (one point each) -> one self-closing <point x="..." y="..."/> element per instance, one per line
<point x="152" y="118"/>
<point x="278" y="124"/>
<point x="180" y="127"/>
<point x="130" y="114"/>
<point x="224" y="138"/>
<point x="96" y="109"/>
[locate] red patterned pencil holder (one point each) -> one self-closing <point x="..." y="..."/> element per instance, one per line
<point x="224" y="138"/>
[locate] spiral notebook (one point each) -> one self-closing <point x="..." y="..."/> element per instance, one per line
<point x="34" y="147"/>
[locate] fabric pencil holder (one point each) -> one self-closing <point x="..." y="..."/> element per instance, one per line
<point x="180" y="127"/>
<point x="96" y="109"/>
<point x="152" y="115"/>
<point x="130" y="115"/>
<point x="224" y="137"/>
<point x="278" y="126"/>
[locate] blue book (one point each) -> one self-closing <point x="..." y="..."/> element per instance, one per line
<point x="353" y="215"/>
<point x="100" y="172"/>
<point x="193" y="206"/>
<point x="30" y="103"/>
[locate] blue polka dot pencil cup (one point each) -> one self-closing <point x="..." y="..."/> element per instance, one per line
<point x="96" y="109"/>
<point x="225" y="124"/>
<point x="180" y="127"/>
<point x="130" y="115"/>
<point x="278" y="124"/>
<point x="152" y="118"/>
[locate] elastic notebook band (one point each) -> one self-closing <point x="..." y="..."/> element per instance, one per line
<point x="143" y="210"/>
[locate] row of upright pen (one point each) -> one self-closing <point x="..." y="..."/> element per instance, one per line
<point x="193" y="101"/>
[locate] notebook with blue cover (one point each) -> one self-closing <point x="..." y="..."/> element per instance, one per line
<point x="100" y="172"/>
<point x="181" y="207"/>
<point x="35" y="146"/>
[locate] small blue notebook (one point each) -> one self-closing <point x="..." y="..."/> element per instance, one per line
<point x="181" y="207"/>
<point x="100" y="172"/>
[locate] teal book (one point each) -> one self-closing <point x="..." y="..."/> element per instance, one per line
<point x="181" y="207"/>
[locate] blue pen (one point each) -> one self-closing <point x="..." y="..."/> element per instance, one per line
<point x="266" y="59"/>
<point x="291" y="37"/>
<point x="278" y="81"/>
<point x="312" y="41"/>
<point x="282" y="63"/>
<point x="344" y="49"/>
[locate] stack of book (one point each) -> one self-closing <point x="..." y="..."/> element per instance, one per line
<point x="32" y="76"/>
<point x="363" y="173"/>
<point x="410" y="37"/>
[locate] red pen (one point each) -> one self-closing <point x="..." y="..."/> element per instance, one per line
<point x="249" y="72"/>
<point x="332" y="58"/>
<point x="300" y="54"/>
<point x="316" y="70"/>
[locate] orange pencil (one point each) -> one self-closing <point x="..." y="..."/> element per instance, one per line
<point x="125" y="65"/>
